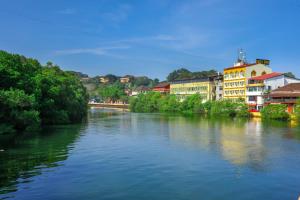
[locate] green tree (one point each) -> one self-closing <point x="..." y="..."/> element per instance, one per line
<point x="192" y="104"/>
<point x="275" y="111"/>
<point x="290" y="74"/>
<point x="181" y="73"/>
<point x="297" y="110"/>
<point x="18" y="111"/>
<point x="32" y="94"/>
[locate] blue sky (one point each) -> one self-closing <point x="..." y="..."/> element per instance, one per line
<point x="154" y="37"/>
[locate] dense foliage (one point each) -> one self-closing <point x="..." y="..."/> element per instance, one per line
<point x="275" y="111"/>
<point x="31" y="94"/>
<point x="297" y="110"/>
<point x="111" y="93"/>
<point x="193" y="104"/>
<point x="183" y="73"/>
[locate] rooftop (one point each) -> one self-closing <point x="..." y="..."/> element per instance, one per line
<point x="290" y="90"/>
<point x="241" y="66"/>
<point x="191" y="80"/>
<point x="266" y="76"/>
<point x="162" y="85"/>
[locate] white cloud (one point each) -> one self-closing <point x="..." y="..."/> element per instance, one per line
<point x="102" y="51"/>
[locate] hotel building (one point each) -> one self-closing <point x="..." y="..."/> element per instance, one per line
<point x="235" y="78"/>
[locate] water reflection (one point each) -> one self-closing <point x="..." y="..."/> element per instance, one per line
<point x="128" y="154"/>
<point x="27" y="155"/>
<point x="239" y="141"/>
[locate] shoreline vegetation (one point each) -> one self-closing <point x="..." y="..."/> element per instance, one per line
<point x="32" y="95"/>
<point x="154" y="102"/>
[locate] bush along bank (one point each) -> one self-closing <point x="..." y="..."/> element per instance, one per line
<point x="275" y="111"/>
<point x="155" y="102"/>
<point x="32" y="94"/>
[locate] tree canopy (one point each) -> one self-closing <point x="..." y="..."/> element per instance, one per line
<point x="32" y="94"/>
<point x="183" y="73"/>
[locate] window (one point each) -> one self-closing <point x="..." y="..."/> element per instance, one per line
<point x="253" y="73"/>
<point x="263" y="73"/>
<point x="252" y="98"/>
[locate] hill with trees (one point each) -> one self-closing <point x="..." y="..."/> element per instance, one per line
<point x="183" y="73"/>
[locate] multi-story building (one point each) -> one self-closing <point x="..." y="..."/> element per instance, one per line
<point x="235" y="78"/>
<point x="217" y="87"/>
<point x="259" y="86"/>
<point x="184" y="88"/>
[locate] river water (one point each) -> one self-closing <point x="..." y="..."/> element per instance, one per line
<point x="130" y="156"/>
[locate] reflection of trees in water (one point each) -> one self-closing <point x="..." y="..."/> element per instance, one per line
<point x="26" y="155"/>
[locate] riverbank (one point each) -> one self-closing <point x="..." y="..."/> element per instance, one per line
<point x="108" y="105"/>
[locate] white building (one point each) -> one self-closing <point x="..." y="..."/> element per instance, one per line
<point x="258" y="86"/>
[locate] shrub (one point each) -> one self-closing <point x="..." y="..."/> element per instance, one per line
<point x="192" y="104"/>
<point x="297" y="110"/>
<point x="275" y="111"/>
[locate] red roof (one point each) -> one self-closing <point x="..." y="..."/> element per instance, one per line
<point x="290" y="90"/>
<point x="241" y="66"/>
<point x="266" y="76"/>
<point x="162" y="85"/>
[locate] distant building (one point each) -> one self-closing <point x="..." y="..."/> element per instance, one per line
<point x="258" y="86"/>
<point x="104" y="79"/>
<point x="126" y="79"/>
<point x="163" y="87"/>
<point x="184" y="88"/>
<point x="285" y="95"/>
<point x="85" y="79"/>
<point x="140" y="90"/>
<point x="235" y="78"/>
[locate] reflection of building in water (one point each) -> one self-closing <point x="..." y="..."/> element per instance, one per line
<point x="242" y="144"/>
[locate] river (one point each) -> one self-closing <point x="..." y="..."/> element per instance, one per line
<point x="131" y="156"/>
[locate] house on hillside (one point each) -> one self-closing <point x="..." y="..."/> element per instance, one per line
<point x="163" y="88"/>
<point x="126" y="79"/>
<point x="104" y="79"/>
<point x="140" y="90"/>
<point x="258" y="86"/>
<point x="288" y="95"/>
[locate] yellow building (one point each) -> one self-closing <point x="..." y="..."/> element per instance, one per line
<point x="184" y="88"/>
<point x="235" y="78"/>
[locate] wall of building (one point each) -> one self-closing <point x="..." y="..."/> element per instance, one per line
<point x="182" y="90"/>
<point x="235" y="79"/>
<point x="279" y="81"/>
<point x="259" y="69"/>
<point x="234" y="86"/>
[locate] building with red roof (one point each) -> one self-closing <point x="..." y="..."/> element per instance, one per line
<point x="163" y="87"/>
<point x="285" y="95"/>
<point x="258" y="86"/>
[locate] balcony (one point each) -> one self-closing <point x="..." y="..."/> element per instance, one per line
<point x="293" y="101"/>
<point x="254" y="93"/>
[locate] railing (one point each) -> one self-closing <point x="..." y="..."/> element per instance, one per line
<point x="280" y="100"/>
